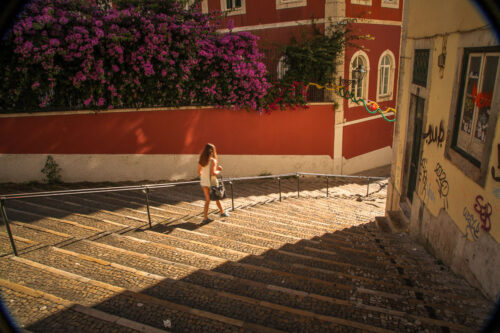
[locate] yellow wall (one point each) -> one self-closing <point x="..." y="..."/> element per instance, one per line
<point x="460" y="27"/>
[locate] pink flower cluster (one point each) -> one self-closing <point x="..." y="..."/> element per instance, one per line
<point x="70" y="53"/>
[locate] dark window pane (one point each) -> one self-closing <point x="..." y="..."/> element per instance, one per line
<point x="420" y="67"/>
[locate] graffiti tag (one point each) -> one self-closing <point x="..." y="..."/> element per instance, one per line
<point x="484" y="212"/>
<point x="422" y="174"/>
<point x="443" y="186"/>
<point x="435" y="134"/>
<point x="496" y="192"/>
<point x="472" y="225"/>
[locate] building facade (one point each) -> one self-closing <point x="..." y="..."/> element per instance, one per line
<point x="446" y="162"/>
<point x="362" y="140"/>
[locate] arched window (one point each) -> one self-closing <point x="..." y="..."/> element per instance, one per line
<point x="359" y="87"/>
<point x="385" y="76"/>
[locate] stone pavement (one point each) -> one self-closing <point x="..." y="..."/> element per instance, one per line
<point x="307" y="263"/>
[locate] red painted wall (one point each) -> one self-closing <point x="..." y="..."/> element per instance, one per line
<point x="362" y="138"/>
<point x="291" y="132"/>
<point x="385" y="38"/>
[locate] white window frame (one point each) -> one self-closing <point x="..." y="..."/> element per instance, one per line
<point x="390" y="84"/>
<point x="468" y="142"/>
<point x="233" y="11"/>
<point x="361" y="2"/>
<point x="284" y="4"/>
<point x="390" y="4"/>
<point x="366" y="78"/>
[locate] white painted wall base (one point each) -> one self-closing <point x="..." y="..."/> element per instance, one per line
<point x="113" y="168"/>
<point x="373" y="159"/>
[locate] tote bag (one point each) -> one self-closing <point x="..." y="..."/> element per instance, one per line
<point x="218" y="191"/>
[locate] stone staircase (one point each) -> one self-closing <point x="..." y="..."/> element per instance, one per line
<point x="305" y="264"/>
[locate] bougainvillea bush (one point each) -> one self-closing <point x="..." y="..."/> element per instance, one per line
<point x="68" y="54"/>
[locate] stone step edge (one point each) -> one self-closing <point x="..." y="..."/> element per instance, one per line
<point x="91" y="312"/>
<point x="75" y="224"/>
<point x="41" y="229"/>
<point x="105" y="211"/>
<point x="282" y="216"/>
<point x="90" y="217"/>
<point x="146" y="298"/>
<point x="286" y="290"/>
<point x="18" y="238"/>
<point x="131" y="209"/>
<point x="245" y="299"/>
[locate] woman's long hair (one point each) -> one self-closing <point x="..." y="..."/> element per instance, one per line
<point x="208" y="151"/>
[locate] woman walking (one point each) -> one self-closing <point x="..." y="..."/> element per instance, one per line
<point x="208" y="169"/>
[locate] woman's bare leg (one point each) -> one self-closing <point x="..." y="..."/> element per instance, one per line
<point x="220" y="206"/>
<point x="206" y="192"/>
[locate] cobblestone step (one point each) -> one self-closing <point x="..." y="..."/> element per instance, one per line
<point x="36" y="234"/>
<point x="90" y="210"/>
<point x="69" y="227"/>
<point x="193" y="295"/>
<point x="113" y="300"/>
<point x="20" y="242"/>
<point x="394" y="280"/>
<point x="261" y="292"/>
<point x="118" y="206"/>
<point x="297" y="276"/>
<point x="37" y="311"/>
<point x="68" y="216"/>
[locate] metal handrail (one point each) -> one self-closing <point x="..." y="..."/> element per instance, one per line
<point x="146" y="188"/>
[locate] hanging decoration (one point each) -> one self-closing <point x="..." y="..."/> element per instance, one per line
<point x="370" y="106"/>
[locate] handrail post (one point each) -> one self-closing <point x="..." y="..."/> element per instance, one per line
<point x="232" y="195"/>
<point x="279" y="186"/>
<point x="146" y="191"/>
<point x="368" y="186"/>
<point x="327" y="186"/>
<point x="6" y="220"/>
<point x="298" y="185"/>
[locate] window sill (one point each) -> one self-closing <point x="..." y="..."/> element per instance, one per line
<point x="280" y="4"/>
<point x="239" y="11"/>
<point x="390" y="5"/>
<point x="361" y="2"/>
<point x="461" y="162"/>
<point x="384" y="98"/>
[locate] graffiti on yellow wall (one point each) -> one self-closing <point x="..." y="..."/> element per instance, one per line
<point x="443" y="186"/>
<point x="435" y="134"/>
<point x="484" y="211"/>
<point x="472" y="225"/>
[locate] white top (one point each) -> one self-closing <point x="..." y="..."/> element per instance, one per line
<point x="205" y="175"/>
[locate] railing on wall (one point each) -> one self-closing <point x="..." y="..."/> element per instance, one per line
<point x="147" y="188"/>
